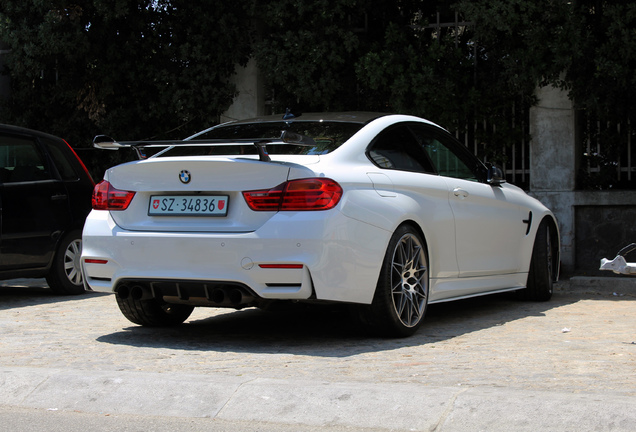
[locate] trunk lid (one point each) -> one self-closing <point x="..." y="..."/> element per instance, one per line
<point x="193" y="179"/>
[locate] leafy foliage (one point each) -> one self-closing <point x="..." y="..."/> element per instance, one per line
<point x="587" y="47"/>
<point x="161" y="68"/>
<point x="391" y="57"/>
<point x="133" y="69"/>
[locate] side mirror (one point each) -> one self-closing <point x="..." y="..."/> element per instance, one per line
<point x="495" y="176"/>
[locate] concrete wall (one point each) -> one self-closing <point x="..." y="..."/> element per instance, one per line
<point x="553" y="153"/>
<point x="250" y="101"/>
<point x="553" y="162"/>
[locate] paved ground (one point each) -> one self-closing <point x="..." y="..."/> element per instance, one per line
<point x="491" y="363"/>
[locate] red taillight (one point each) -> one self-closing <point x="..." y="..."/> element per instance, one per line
<point x="265" y="200"/>
<point x="296" y="195"/>
<point x="106" y="197"/>
<point x="311" y="194"/>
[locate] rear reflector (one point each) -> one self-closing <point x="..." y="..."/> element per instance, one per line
<point x="296" y="195"/>
<point x="106" y="197"/>
<point x="95" y="261"/>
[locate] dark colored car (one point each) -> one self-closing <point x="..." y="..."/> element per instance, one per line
<point x="45" y="196"/>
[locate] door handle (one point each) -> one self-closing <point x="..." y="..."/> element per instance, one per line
<point x="59" y="197"/>
<point x="459" y="192"/>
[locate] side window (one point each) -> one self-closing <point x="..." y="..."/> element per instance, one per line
<point x="21" y="160"/>
<point x="447" y="158"/>
<point x="64" y="167"/>
<point x="396" y="148"/>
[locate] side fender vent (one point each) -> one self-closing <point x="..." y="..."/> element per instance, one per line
<point x="528" y="222"/>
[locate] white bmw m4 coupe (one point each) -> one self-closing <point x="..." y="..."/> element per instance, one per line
<point x="387" y="213"/>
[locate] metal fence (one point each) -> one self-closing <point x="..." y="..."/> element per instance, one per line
<point x="608" y="154"/>
<point x="508" y="148"/>
<point x="606" y="150"/>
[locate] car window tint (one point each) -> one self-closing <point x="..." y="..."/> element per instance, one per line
<point x="446" y="162"/>
<point x="64" y="167"/>
<point x="328" y="136"/>
<point x="21" y="160"/>
<point x="396" y="148"/>
<point x="447" y="158"/>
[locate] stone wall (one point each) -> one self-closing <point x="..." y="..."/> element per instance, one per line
<point x="250" y="101"/>
<point x="553" y="163"/>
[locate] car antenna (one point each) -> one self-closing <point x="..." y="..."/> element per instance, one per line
<point x="288" y="115"/>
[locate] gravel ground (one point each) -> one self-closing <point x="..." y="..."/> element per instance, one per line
<point x="583" y="340"/>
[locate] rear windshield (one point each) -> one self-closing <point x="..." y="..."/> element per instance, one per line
<point x="328" y="136"/>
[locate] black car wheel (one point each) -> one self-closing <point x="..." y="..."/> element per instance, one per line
<point x="540" y="275"/>
<point x="401" y="296"/>
<point x="65" y="276"/>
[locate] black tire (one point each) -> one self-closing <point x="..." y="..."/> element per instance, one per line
<point x="401" y="295"/>
<point x="152" y="313"/>
<point x="65" y="276"/>
<point x="540" y="275"/>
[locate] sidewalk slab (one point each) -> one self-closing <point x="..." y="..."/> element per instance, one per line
<point x="595" y="284"/>
<point x="142" y="393"/>
<point x="408" y="407"/>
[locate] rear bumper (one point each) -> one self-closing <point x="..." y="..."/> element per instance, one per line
<point x="339" y="257"/>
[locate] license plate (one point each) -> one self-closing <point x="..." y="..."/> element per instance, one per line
<point x="188" y="205"/>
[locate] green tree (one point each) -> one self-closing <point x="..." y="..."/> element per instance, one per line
<point x="387" y="56"/>
<point x="587" y="47"/>
<point x="161" y="68"/>
<point x="306" y="50"/>
<point x="134" y="69"/>
<point x="309" y="51"/>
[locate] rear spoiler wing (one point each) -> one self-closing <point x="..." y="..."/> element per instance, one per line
<point x="287" y="137"/>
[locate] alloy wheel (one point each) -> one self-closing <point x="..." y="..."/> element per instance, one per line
<point x="409" y="284"/>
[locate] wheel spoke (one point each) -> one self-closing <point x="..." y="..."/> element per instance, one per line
<point x="398" y="269"/>
<point x="400" y="304"/>
<point x="408" y="281"/>
<point x="72" y="264"/>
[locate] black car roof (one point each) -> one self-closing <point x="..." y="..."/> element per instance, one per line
<point x="360" y="117"/>
<point x="26" y="131"/>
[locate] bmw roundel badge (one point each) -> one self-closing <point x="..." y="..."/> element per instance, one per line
<point x="185" y="176"/>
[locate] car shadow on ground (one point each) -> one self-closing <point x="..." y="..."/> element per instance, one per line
<point x="28" y="293"/>
<point x="332" y="331"/>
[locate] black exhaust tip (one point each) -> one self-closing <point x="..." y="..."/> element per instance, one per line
<point x="137" y="292"/>
<point x="123" y="292"/>
<point x="218" y="296"/>
<point x="235" y="296"/>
